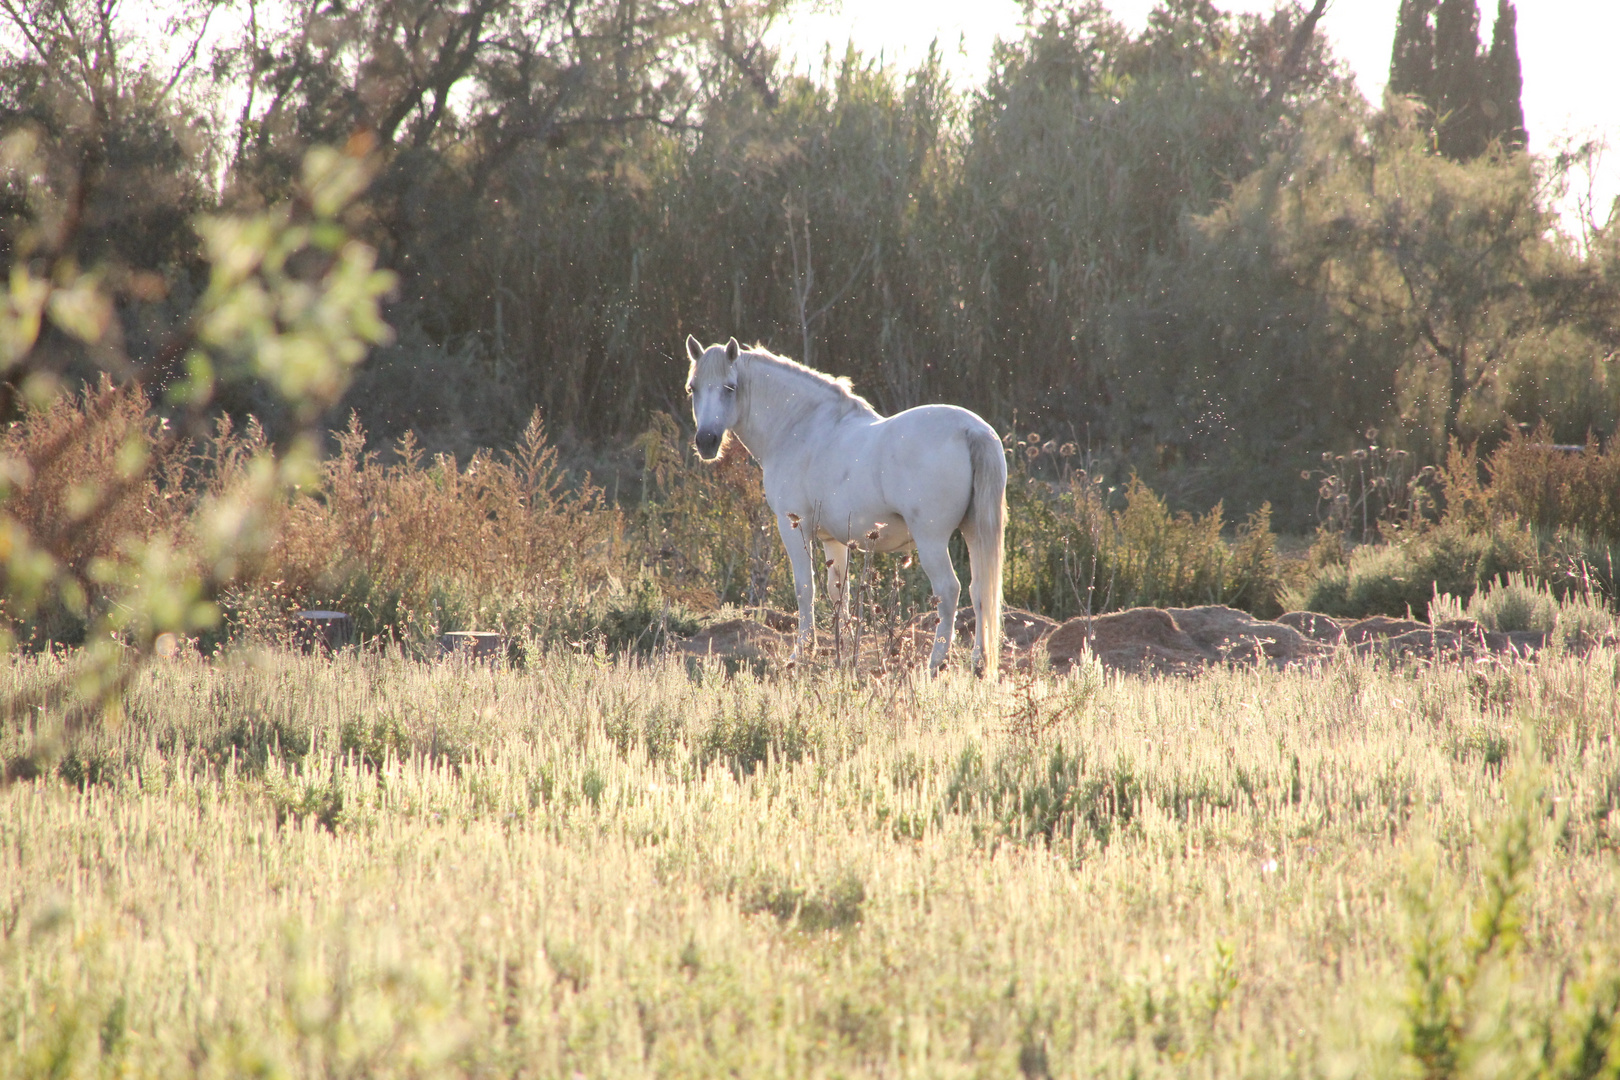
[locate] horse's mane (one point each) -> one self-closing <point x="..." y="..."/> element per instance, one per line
<point x="838" y="386"/>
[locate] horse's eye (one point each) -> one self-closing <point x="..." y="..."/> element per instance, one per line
<point x="731" y="388"/>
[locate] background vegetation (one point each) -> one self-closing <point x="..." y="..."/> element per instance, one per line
<point x="1233" y="298"/>
<point x="1193" y="249"/>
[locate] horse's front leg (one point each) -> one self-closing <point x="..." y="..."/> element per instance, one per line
<point x="797" y="542"/>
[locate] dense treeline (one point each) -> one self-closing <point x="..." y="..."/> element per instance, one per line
<point x="1194" y="248"/>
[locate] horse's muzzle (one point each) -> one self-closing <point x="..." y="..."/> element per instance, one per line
<point x="708" y="445"/>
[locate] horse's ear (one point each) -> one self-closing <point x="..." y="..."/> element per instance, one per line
<point x="731" y="349"/>
<point x="694" y="348"/>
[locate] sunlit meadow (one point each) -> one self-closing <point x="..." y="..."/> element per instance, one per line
<point x="370" y="866"/>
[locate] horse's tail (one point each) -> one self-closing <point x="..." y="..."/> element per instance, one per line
<point x="987" y="513"/>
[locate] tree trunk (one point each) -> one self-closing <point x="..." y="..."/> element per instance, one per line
<point x="1457" y="370"/>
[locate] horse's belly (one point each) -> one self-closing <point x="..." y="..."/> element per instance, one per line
<point x="856" y="528"/>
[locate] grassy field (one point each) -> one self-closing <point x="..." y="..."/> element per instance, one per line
<point x="288" y="866"/>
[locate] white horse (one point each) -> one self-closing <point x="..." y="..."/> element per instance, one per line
<point x="835" y="471"/>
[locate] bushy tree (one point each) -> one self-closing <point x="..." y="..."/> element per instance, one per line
<point x="1087" y="150"/>
<point x="1440" y="272"/>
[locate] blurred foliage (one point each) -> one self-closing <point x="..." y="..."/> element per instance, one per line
<point x="1193" y="244"/>
<point x="99" y="533"/>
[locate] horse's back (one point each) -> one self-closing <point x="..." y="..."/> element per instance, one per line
<point x="925" y="455"/>
<point x="933" y="435"/>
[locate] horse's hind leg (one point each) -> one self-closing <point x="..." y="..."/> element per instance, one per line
<point x="934" y="553"/>
<point x="976" y="594"/>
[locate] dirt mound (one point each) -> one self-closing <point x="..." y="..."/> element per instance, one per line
<point x="1178" y="641"/>
<point x="786" y="622"/>
<point x="1230" y="634"/>
<point x="1455" y="639"/>
<point x="739" y="639"/>
<point x="770" y="634"/>
<point x="1140" y="639"/>
<point x="1378" y="626"/>
<point x="1471" y="643"/>
<point x="1323" y="628"/>
<point x="1020" y="629"/>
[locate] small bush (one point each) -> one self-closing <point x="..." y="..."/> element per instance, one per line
<point x="1404" y="576"/>
<point x="1069" y="553"/>
<point x="837" y="906"/>
<point x="745" y="739"/>
<point x="1584" y="620"/>
<point x="1043" y="799"/>
<point x="1517" y="603"/>
<point x="643" y="620"/>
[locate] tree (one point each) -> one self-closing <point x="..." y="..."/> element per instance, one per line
<point x="1448" y="260"/>
<point x="1087" y="150"/>
<point x="1457" y="93"/>
<point x="1411" y="63"/>
<point x="1504" y="82"/>
<point x="1473" y="97"/>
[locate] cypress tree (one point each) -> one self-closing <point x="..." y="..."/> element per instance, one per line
<point x="1504" y="81"/>
<point x="1411" y="61"/>
<point x="1459" y="81"/>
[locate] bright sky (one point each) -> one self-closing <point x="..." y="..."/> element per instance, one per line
<point x="1565" y="51"/>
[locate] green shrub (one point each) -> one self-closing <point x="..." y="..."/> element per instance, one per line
<point x="743" y="739"/>
<point x="1404" y="576"/>
<point x="641" y="620"/>
<point x="1069" y="553"/>
<point x="1460" y="963"/>
<point x="836" y="906"/>
<point x="1517" y="602"/>
<point x="1583" y="619"/>
<point x="1036" y="798"/>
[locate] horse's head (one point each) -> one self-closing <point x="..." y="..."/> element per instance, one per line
<point x="712" y="385"/>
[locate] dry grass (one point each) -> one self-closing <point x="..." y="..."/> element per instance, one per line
<point x="1555" y="488"/>
<point x="368" y="866"/>
<point x="416" y="547"/>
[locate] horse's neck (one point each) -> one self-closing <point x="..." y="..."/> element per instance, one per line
<point x="778" y="401"/>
